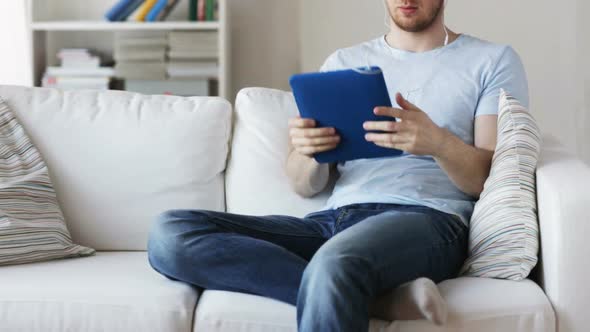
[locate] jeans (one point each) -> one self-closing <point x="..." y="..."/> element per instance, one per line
<point x="330" y="264"/>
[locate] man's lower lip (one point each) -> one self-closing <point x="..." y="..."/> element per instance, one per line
<point x="408" y="10"/>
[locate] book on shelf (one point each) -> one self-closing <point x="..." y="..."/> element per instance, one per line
<point x="144" y="70"/>
<point x="123" y="9"/>
<point x="157" y="63"/>
<point x="140" y="56"/>
<point x="203" y="10"/>
<point x="169" y="8"/>
<point x="155" y="12"/>
<point x="184" y="88"/>
<point x="75" y="83"/>
<point x="80" y="69"/>
<point x="210" y="10"/>
<point x="192" y="10"/>
<point x="159" y="10"/>
<point x="193" y="45"/>
<point x="144" y="10"/>
<point x="192" y="69"/>
<point x="78" y="58"/>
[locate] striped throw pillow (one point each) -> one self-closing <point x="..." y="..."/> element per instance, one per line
<point x="32" y="226"/>
<point x="504" y="231"/>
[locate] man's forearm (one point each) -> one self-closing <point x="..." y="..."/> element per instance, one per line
<point x="467" y="166"/>
<point x="307" y="176"/>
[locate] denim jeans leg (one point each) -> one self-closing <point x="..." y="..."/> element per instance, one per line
<point x="257" y="255"/>
<point x="372" y="256"/>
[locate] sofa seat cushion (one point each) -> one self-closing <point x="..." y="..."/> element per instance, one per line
<point x="474" y="304"/>
<point x="112" y="291"/>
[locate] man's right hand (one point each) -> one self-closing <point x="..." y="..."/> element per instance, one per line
<point x="309" y="140"/>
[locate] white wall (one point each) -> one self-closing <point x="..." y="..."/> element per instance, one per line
<point x="327" y="25"/>
<point x="14" y="61"/>
<point x="548" y="40"/>
<point x="584" y="116"/>
<point x="265" y="43"/>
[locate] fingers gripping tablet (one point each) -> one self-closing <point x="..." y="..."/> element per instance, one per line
<point x="344" y="100"/>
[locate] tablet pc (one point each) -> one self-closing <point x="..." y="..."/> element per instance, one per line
<point x="344" y="100"/>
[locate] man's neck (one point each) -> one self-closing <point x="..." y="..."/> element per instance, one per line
<point x="429" y="39"/>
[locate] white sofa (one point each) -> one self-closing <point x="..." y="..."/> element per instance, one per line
<point x="118" y="159"/>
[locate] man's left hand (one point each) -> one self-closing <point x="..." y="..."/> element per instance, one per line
<point x="416" y="133"/>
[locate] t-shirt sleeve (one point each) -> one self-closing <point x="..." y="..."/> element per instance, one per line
<point x="509" y="74"/>
<point x="331" y="63"/>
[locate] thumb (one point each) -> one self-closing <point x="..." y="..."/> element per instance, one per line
<point x="404" y="104"/>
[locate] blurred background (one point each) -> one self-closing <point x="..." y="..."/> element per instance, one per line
<point x="269" y="40"/>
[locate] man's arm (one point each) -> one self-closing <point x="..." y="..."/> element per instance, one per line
<point x="456" y="157"/>
<point x="467" y="166"/>
<point x="307" y="176"/>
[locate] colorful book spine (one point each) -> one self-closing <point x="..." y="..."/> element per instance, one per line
<point x="156" y="10"/>
<point x="117" y="10"/>
<point x="171" y="5"/>
<point x="210" y="15"/>
<point x="144" y="10"/>
<point x="201" y="10"/>
<point x="130" y="9"/>
<point x="192" y="11"/>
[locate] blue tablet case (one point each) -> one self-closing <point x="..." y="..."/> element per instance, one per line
<point x="344" y="100"/>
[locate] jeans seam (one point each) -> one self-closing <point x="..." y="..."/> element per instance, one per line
<point x="263" y="230"/>
<point x="342" y="215"/>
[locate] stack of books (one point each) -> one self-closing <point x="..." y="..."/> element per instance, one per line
<point x="193" y="54"/>
<point x="177" y="63"/>
<point x="80" y="69"/>
<point x="203" y="10"/>
<point x="193" y="45"/>
<point x="141" y="57"/>
<point x="141" y="10"/>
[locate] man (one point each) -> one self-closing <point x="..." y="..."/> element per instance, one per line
<point x="389" y="221"/>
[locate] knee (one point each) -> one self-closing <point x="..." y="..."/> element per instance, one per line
<point x="332" y="266"/>
<point x="168" y="233"/>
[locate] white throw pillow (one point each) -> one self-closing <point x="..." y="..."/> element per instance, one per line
<point x="256" y="181"/>
<point x="32" y="227"/>
<point x="504" y="233"/>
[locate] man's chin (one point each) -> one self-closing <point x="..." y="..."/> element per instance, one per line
<point x="411" y="26"/>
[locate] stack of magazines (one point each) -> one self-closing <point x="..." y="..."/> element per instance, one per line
<point x="80" y="69"/>
<point x="193" y="54"/>
<point x="141" y="57"/>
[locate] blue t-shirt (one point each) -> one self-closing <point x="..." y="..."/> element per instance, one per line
<point x="453" y="85"/>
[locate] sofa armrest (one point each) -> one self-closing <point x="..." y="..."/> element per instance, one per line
<point x="563" y="194"/>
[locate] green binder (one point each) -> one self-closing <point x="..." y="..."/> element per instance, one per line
<point x="210" y="16"/>
<point x="192" y="11"/>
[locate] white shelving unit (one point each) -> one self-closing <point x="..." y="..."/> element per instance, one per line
<point x="56" y="24"/>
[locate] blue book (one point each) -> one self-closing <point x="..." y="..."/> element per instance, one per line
<point x="156" y="10"/>
<point x="116" y="11"/>
<point x="129" y="9"/>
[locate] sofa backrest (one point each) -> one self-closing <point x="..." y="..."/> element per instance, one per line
<point x="256" y="181"/>
<point x="118" y="159"/>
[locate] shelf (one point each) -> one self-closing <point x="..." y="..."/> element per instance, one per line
<point x="121" y="26"/>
